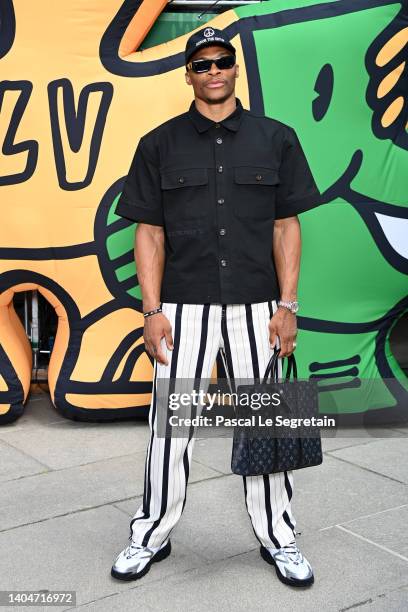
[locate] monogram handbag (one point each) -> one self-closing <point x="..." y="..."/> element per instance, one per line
<point x="264" y="450"/>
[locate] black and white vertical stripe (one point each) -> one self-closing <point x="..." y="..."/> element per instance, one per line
<point x="199" y="331"/>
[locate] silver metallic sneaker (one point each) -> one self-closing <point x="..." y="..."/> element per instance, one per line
<point x="290" y="565"/>
<point x="135" y="560"/>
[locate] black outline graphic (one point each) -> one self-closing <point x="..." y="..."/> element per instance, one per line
<point x="7" y="27"/>
<point x="9" y="147"/>
<point x="245" y="27"/>
<point x="75" y="121"/>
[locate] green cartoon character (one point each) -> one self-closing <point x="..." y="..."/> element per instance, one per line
<point x="336" y="73"/>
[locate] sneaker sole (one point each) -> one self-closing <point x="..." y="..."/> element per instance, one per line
<point x="291" y="581"/>
<point x="159" y="556"/>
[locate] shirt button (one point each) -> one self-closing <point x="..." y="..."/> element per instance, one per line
<point x="258" y="177"/>
<point x="219" y="141"/>
<point x="217" y="125"/>
<point x="221" y="201"/>
<point x="181" y="179"/>
<point x="219" y="168"/>
<point x="223" y="263"/>
<point x="222" y="232"/>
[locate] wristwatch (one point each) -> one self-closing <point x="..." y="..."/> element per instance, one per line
<point x="292" y="306"/>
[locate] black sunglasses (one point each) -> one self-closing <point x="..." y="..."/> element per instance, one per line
<point x="204" y="65"/>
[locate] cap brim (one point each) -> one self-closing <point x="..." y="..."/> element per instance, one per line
<point x="211" y="44"/>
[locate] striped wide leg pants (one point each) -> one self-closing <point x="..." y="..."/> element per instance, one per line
<point x="199" y="331"/>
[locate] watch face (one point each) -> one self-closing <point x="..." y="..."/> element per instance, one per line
<point x="295" y="307"/>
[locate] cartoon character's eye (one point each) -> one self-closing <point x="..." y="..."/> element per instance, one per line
<point x="324" y="88"/>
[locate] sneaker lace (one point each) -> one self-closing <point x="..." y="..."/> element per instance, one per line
<point x="293" y="552"/>
<point x="133" y="549"/>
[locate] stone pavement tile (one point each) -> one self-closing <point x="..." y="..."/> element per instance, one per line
<point x="215" y="518"/>
<point x="76" y="552"/>
<point x="335" y="492"/>
<point x="38" y="411"/>
<point x="16" y="464"/>
<point x="348" y="437"/>
<point x="386" y="528"/>
<point x="387" y="457"/>
<point x="68" y="443"/>
<point x="43" y="496"/>
<point x="402" y="430"/>
<point x="214" y="453"/>
<point x="245" y="582"/>
<point x="325" y="495"/>
<point x="329" y="444"/>
<point x="395" y="600"/>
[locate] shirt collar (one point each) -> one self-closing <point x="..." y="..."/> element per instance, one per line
<point x="203" y="123"/>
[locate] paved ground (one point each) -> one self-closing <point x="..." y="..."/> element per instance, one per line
<point x="68" y="490"/>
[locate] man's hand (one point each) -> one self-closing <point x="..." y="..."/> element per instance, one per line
<point x="156" y="326"/>
<point x="283" y="324"/>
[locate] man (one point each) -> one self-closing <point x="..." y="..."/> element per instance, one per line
<point x="216" y="192"/>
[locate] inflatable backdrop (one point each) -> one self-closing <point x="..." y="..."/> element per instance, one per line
<point x="78" y="90"/>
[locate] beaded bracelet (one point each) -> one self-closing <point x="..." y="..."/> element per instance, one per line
<point x="152" y="312"/>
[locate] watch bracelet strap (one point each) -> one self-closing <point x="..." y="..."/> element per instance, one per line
<point x="287" y="304"/>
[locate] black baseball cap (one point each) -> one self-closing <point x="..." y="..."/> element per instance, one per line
<point x="204" y="38"/>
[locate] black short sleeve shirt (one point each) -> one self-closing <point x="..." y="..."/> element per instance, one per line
<point x="217" y="188"/>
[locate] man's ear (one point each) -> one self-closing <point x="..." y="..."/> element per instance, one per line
<point x="236" y="71"/>
<point x="188" y="80"/>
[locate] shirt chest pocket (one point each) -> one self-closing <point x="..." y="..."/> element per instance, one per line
<point x="255" y="191"/>
<point x="185" y="193"/>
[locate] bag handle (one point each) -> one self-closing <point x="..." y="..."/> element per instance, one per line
<point x="272" y="366"/>
<point x="291" y="365"/>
